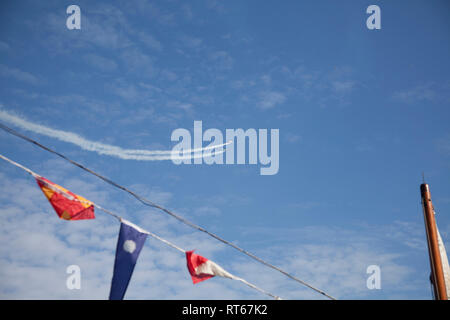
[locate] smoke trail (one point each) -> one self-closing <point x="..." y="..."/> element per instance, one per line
<point x="106" y="149"/>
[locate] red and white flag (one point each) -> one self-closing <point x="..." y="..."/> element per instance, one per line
<point x="202" y="269"/>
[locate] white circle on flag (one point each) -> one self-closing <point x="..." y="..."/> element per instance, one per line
<point x="129" y="246"/>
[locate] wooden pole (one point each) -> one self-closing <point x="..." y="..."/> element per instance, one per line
<point x="433" y="245"/>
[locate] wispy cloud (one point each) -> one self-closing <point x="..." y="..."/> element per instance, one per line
<point x="187" y="12"/>
<point x="300" y="83"/>
<point x="424" y="92"/>
<point x="136" y="60"/>
<point x="216" y="5"/>
<point x="222" y="60"/>
<point x="101" y="148"/>
<point x="169" y="75"/>
<point x="152" y="11"/>
<point x="101" y="63"/>
<point x="293" y="138"/>
<point x="342" y="87"/>
<point x="127" y="91"/>
<point x="321" y="86"/>
<point x="428" y="92"/>
<point x="19" y="75"/>
<point x="335" y="259"/>
<point x="191" y="42"/>
<point x="150" y="41"/>
<point x="104" y="27"/>
<point x="207" y="211"/>
<point x="271" y="99"/>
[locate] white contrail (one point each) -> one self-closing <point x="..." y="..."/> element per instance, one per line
<point x="106" y="149"/>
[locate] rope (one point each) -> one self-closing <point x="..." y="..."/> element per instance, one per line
<point x="151" y="204"/>
<point x="256" y="288"/>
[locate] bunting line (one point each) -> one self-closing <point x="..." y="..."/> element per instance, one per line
<point x="151" y="204"/>
<point x="122" y="220"/>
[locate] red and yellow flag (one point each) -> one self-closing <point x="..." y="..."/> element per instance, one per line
<point x="67" y="205"/>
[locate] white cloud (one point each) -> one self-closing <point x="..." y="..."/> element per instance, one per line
<point x="185" y="106"/>
<point x="216" y="5"/>
<point x="135" y="60"/>
<point x="429" y="92"/>
<point x="169" y="75"/>
<point x="104" y="27"/>
<point x="342" y="86"/>
<point x="222" y="60"/>
<point x="335" y="259"/>
<point x="127" y="91"/>
<point x="315" y="86"/>
<point x="269" y="100"/>
<point x="101" y="63"/>
<point x="293" y="138"/>
<point x="152" y="11"/>
<point x="150" y="87"/>
<point x="19" y="75"/>
<point x="267" y="79"/>
<point x="150" y="41"/>
<point x="191" y="42"/>
<point x="187" y="12"/>
<point x="207" y="211"/>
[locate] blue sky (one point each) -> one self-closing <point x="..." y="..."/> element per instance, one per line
<point x="361" y="113"/>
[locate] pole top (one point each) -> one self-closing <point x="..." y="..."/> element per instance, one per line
<point x="425" y="189"/>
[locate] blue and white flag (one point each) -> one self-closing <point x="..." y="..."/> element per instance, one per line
<point x="130" y="243"/>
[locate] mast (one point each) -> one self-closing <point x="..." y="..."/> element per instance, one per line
<point x="437" y="272"/>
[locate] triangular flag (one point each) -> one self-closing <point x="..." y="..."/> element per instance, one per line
<point x="445" y="264"/>
<point x="202" y="269"/>
<point x="130" y="243"/>
<point x="68" y="206"/>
